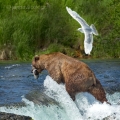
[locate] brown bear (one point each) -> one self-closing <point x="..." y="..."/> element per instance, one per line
<point x="76" y="75"/>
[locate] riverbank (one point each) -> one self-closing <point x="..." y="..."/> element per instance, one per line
<point x="82" y="59"/>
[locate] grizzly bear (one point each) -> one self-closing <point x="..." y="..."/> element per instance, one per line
<point x="76" y="75"/>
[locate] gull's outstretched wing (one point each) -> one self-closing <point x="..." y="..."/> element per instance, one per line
<point x="88" y="43"/>
<point x="77" y="17"/>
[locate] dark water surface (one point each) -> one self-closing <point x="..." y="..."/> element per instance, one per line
<point x="17" y="80"/>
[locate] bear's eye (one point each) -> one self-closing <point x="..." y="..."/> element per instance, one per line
<point x="36" y="67"/>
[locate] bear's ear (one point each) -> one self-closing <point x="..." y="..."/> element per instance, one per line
<point x="36" y="58"/>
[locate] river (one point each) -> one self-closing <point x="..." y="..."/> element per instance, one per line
<point x="44" y="99"/>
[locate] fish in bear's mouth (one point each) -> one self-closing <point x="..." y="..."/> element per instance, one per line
<point x="35" y="73"/>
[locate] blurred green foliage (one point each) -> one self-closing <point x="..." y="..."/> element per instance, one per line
<point x="29" y="27"/>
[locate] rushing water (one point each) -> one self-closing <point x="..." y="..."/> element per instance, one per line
<point x="44" y="99"/>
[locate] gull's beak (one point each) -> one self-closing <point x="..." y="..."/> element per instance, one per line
<point x="81" y="30"/>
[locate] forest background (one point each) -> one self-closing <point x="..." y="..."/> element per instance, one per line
<point x="29" y="27"/>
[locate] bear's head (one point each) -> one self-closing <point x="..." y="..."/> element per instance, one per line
<point x="36" y="66"/>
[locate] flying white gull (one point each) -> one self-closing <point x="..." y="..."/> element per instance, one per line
<point x="86" y="29"/>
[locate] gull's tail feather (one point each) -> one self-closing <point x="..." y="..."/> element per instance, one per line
<point x="87" y="48"/>
<point x="94" y="31"/>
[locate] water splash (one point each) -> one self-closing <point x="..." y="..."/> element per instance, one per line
<point x="85" y="107"/>
<point x="37" y="112"/>
<point x="12" y="66"/>
<point x="59" y="93"/>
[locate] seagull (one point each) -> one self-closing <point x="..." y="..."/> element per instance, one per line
<point x="86" y="29"/>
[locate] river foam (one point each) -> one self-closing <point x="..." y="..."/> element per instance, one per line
<point x="85" y="107"/>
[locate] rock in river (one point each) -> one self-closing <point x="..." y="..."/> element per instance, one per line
<point x="10" y="116"/>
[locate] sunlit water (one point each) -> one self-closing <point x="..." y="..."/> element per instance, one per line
<point x="16" y="81"/>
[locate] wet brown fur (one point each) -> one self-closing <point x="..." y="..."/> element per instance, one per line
<point x="76" y="75"/>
